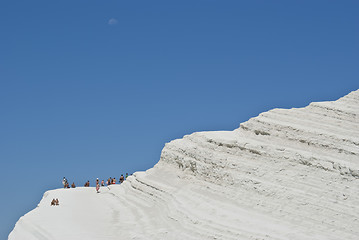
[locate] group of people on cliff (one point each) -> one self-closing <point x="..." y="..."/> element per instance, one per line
<point x="55" y="202"/>
<point x="109" y="182"/>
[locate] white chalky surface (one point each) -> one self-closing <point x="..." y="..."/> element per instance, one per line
<point x="286" y="174"/>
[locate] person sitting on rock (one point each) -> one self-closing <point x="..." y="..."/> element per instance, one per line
<point x="73" y="185"/>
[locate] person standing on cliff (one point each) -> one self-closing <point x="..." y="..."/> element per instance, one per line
<point x="64" y="181"/>
<point x="121" y="178"/>
<point x="97" y="187"/>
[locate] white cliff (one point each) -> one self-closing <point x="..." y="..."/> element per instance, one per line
<point x="286" y="174"/>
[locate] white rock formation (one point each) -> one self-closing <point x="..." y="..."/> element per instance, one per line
<point x="286" y="174"/>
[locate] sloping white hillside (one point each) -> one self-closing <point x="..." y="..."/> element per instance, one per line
<point x="286" y="174"/>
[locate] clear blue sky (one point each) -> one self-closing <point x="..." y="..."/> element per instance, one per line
<point x="96" y="88"/>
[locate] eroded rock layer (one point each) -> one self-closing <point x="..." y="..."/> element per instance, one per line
<point x="286" y="174"/>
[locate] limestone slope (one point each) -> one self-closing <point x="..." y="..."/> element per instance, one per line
<point x="286" y="174"/>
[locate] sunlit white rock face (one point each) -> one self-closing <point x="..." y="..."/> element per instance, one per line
<point x="286" y="174"/>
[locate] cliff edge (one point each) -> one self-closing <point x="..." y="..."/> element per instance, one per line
<point x="286" y="174"/>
